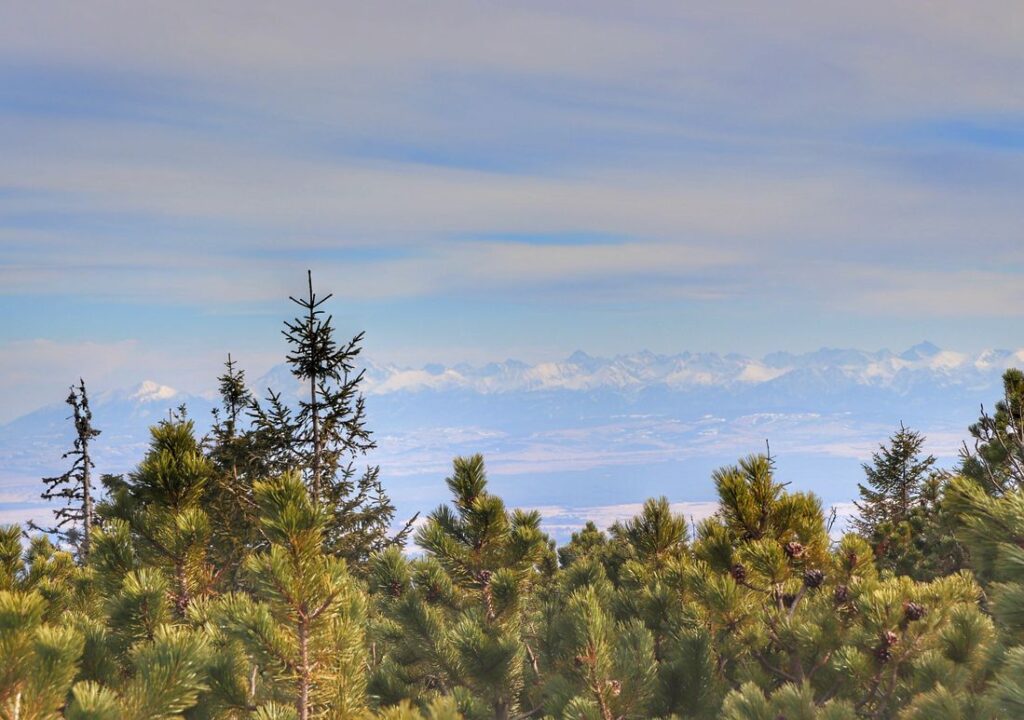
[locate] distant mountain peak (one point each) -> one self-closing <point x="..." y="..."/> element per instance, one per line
<point x="151" y="391"/>
<point x="921" y="351"/>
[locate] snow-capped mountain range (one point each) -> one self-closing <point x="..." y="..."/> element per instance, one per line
<point x="587" y="431"/>
<point x="685" y="371"/>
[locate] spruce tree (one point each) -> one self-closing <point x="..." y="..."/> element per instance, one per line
<point x="901" y="510"/>
<point x="236" y="464"/>
<point x="895" y="478"/>
<point x="235" y="399"/>
<point x="328" y="434"/>
<point x="76" y="518"/>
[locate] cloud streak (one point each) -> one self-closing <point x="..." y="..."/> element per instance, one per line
<point x="759" y="169"/>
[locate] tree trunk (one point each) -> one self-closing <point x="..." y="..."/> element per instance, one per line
<point x="302" y="703"/>
<point x="86" y="501"/>
<point x="313" y="408"/>
<point x="184" y="598"/>
<point x="315" y="412"/>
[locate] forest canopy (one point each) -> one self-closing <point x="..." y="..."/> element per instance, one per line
<point x="261" y="572"/>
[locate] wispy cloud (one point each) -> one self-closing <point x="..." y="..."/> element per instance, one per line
<point x="768" y="173"/>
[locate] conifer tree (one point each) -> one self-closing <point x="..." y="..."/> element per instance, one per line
<point x="38" y="660"/>
<point x="271" y="442"/>
<point x="996" y="460"/>
<point x="236" y="464"/>
<point x="235" y="399"/>
<point x="895" y="478"/>
<point x="614" y="662"/>
<point x="590" y="541"/>
<point x="301" y="625"/>
<point x="163" y="504"/>
<point x="656" y="535"/>
<point x="756" y="511"/>
<point x="328" y="433"/>
<point x="901" y="510"/>
<point x="75" y="519"/>
<point x="459" y="619"/>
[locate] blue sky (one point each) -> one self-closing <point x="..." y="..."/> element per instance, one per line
<point x="484" y="180"/>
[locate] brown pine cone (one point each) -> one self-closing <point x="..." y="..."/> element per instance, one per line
<point x="813" y="579"/>
<point x="794" y="549"/>
<point x="738" y="572"/>
<point x="912" y="611"/>
<point x="842" y="594"/>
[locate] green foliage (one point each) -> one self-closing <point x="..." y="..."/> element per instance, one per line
<point x="162" y="505"/>
<point x="38" y="659"/>
<point x="901" y="510"/>
<point x="459" y="619"/>
<point x="996" y="460"/>
<point x="327" y="435"/>
<point x="236" y="463"/>
<point x="301" y="627"/>
<point x="894" y="477"/>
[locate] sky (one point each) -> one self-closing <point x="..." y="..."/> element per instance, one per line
<point x="481" y="180"/>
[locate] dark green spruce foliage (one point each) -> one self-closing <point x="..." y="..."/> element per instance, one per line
<point x="327" y="435"/>
<point x="894" y="478"/>
<point x="901" y="512"/>
<point x="236" y="464"/>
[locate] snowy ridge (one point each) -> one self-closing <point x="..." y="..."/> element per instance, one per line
<point x="580" y="372"/>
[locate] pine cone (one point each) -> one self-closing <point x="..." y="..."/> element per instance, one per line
<point x="884" y="650"/>
<point x="394" y="588"/>
<point x="912" y="611"/>
<point x="484" y="577"/>
<point x="842" y="594"/>
<point x="433" y="593"/>
<point x="615" y="687"/>
<point x="794" y="549"/>
<point x="813" y="579"/>
<point x="738" y="572"/>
